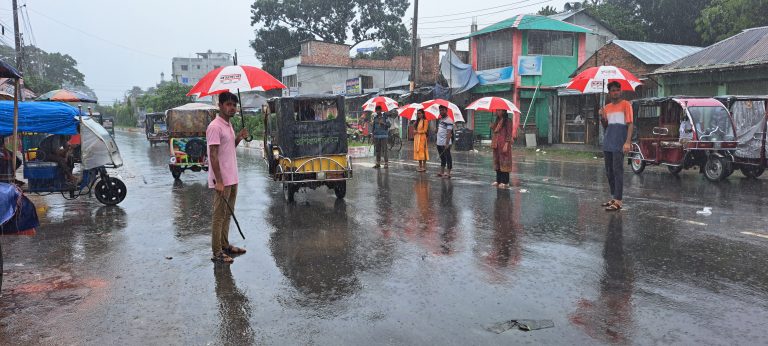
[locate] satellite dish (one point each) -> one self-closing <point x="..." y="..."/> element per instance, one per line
<point x="576" y="5"/>
<point x="567" y="6"/>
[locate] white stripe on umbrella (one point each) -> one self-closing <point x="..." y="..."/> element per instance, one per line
<point x="595" y="79"/>
<point x="387" y="104"/>
<point x="237" y="77"/>
<point x="409" y="111"/>
<point x="432" y="109"/>
<point x="489" y="104"/>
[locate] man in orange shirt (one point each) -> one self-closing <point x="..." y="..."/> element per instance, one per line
<point x="617" y="121"/>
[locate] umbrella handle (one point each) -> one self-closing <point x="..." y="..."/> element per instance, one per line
<point x="242" y="116"/>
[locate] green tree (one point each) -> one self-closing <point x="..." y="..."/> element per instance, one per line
<point x="45" y="71"/>
<point x="725" y="18"/>
<point x="164" y="97"/>
<point x="622" y="18"/>
<point x="547" y="11"/>
<point x="284" y="24"/>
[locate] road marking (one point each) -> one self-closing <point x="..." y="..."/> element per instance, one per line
<point x="761" y="235"/>
<point x="682" y="220"/>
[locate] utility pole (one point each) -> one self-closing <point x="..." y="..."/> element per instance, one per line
<point x="414" y="44"/>
<point x="17" y="35"/>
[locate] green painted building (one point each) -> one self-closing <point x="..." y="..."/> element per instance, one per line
<point x="523" y="59"/>
<point x="737" y="65"/>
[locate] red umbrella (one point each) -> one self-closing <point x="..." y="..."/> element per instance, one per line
<point x="432" y="108"/>
<point x="236" y="77"/>
<point x="595" y="79"/>
<point x="489" y="104"/>
<point x="387" y="104"/>
<point x="409" y="111"/>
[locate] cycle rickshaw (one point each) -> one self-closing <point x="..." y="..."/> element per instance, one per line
<point x="97" y="151"/>
<point x="681" y="133"/>
<point x="155" y="128"/>
<point x="750" y="116"/>
<point x="305" y="143"/>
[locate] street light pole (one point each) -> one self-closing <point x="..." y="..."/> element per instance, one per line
<point x="414" y="44"/>
<point x="17" y="89"/>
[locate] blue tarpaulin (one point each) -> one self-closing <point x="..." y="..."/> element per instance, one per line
<point x="459" y="75"/>
<point x="41" y="117"/>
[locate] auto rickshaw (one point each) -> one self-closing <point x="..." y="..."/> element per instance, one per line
<point x="109" y="124"/>
<point x="305" y="143"/>
<point x="750" y="116"/>
<point x="186" y="128"/>
<point x="681" y="133"/>
<point x="156" y="128"/>
<point x="97" y="151"/>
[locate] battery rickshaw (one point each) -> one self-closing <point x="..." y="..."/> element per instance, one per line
<point x="305" y="143"/>
<point x="97" y="151"/>
<point x="186" y="128"/>
<point x="750" y="116"/>
<point x="682" y="133"/>
<point x="156" y="128"/>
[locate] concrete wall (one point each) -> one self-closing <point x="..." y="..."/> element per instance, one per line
<point x="320" y="79"/>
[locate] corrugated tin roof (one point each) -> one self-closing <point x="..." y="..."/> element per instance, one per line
<point x="565" y="15"/>
<point x="750" y="47"/>
<point x="531" y="22"/>
<point x="656" y="53"/>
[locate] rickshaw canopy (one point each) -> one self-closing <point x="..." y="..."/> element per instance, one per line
<point x="98" y="147"/>
<point x="40" y="117"/>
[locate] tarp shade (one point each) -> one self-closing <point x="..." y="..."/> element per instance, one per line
<point x="41" y="117"/>
<point x="460" y="76"/>
<point x="190" y="120"/>
<point x="98" y="147"/>
<point x="310" y="138"/>
<point x="749" y="118"/>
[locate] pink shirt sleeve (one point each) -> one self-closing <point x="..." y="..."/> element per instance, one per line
<point x="213" y="135"/>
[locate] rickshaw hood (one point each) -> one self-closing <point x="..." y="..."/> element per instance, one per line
<point x="42" y="117"/>
<point x="698" y="102"/>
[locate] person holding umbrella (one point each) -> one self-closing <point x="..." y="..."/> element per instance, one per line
<point x="501" y="142"/>
<point x="381" y="125"/>
<point x="420" y="152"/>
<point x="222" y="175"/>
<point x="616" y="118"/>
<point x="444" y="142"/>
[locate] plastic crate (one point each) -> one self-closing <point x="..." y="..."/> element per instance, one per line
<point x="40" y="170"/>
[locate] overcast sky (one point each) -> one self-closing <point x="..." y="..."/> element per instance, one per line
<point x="119" y="44"/>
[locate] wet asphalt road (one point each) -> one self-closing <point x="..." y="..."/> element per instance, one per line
<point x="405" y="259"/>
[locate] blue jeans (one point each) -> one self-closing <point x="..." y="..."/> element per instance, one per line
<point x="614" y="168"/>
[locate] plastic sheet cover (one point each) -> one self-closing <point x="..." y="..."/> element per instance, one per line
<point x="749" y="118"/>
<point x="98" y="147"/>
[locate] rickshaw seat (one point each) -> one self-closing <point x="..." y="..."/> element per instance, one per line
<point x="671" y="144"/>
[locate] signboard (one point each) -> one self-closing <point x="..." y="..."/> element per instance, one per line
<point x="503" y="75"/>
<point x="529" y="65"/>
<point x="292" y="91"/>
<point x="354" y="86"/>
<point x="339" y="88"/>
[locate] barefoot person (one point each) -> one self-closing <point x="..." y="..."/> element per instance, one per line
<point x="616" y="118"/>
<point x="222" y="175"/>
<point x="501" y="143"/>
<point x="420" y="152"/>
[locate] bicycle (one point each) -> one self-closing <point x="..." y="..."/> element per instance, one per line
<point x="394" y="141"/>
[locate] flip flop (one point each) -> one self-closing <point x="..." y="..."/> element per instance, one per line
<point x="222" y="257"/>
<point x="609" y="203"/>
<point x="613" y="207"/>
<point x="234" y="250"/>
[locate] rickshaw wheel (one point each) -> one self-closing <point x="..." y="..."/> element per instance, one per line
<point x="752" y="171"/>
<point x="638" y="165"/>
<point x="176" y="172"/>
<point x="675" y="170"/>
<point x="716" y="168"/>
<point x="111" y="192"/>
<point x="340" y="189"/>
<point x="289" y="190"/>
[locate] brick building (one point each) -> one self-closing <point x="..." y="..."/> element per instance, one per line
<point x="575" y="119"/>
<point x="324" y="67"/>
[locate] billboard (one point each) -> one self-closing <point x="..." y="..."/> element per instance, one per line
<point x="503" y="75"/>
<point x="354" y="86"/>
<point x="529" y="65"/>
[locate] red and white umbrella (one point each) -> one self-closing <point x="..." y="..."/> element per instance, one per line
<point x="409" y="111"/>
<point x="490" y="104"/>
<point x="236" y="77"/>
<point x="596" y="79"/>
<point x="387" y="104"/>
<point x="432" y="109"/>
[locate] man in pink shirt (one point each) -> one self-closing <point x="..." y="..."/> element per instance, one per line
<point x="222" y="175"/>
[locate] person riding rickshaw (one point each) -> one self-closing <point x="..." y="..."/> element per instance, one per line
<point x="307" y="153"/>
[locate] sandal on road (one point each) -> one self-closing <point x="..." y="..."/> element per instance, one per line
<point x="221" y="257"/>
<point x="234" y="250"/>
<point x="609" y="203"/>
<point x="613" y="207"/>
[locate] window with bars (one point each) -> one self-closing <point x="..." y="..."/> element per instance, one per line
<point x="494" y="50"/>
<point x="290" y="81"/>
<point x="550" y="43"/>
